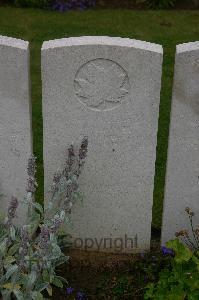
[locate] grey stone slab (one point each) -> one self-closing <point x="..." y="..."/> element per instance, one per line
<point x="15" y="121"/>
<point x="182" y="184"/>
<point x="107" y="89"/>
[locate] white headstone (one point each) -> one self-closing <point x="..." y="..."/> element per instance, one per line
<point x="15" y="121"/>
<point x="182" y="183"/>
<point x="109" y="90"/>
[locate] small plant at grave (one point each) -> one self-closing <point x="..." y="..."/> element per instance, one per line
<point x="181" y="281"/>
<point x="66" y="5"/>
<point x="72" y="294"/>
<point x="120" y="279"/>
<point x="192" y="241"/>
<point x="30" y="254"/>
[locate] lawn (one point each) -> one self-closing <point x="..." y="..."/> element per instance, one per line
<point x="167" y="28"/>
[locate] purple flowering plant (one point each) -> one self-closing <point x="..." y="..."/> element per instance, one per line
<point x="167" y="251"/>
<point x="30" y="254"/>
<point x="71" y="293"/>
<point x="63" y="6"/>
<point x="57" y="5"/>
<point x="180" y="279"/>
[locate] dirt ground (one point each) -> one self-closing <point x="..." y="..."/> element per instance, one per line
<point x="103" y="275"/>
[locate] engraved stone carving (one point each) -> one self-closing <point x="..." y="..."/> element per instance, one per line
<point x="101" y="84"/>
<point x="87" y="93"/>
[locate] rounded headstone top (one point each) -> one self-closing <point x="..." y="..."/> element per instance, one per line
<point x="102" y="40"/>
<point x="187" y="47"/>
<point x="12" y="42"/>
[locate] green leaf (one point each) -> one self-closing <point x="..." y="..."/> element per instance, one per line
<point x="196" y="261"/>
<point x="61" y="260"/>
<point x="12" y="232"/>
<point x="3" y="247"/>
<point x="6" y="294"/>
<point x="31" y="278"/>
<point x="175" y="295"/>
<point x="10" y="286"/>
<point x="11" y="270"/>
<point x="19" y="295"/>
<point x="62" y="279"/>
<point x="194" y="295"/>
<point x="49" y="290"/>
<point x="13" y="249"/>
<point x="56" y="251"/>
<point x="149" y="291"/>
<point x="38" y="207"/>
<point x="57" y="282"/>
<point x="46" y="276"/>
<point x="34" y="222"/>
<point x="9" y="260"/>
<point x="182" y="253"/>
<point x="42" y="286"/>
<point x="37" y="295"/>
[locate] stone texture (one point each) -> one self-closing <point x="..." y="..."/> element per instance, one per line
<point x="107" y="89"/>
<point x="15" y="121"/>
<point x="182" y="184"/>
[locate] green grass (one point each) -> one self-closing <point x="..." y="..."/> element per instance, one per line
<point x="167" y="28"/>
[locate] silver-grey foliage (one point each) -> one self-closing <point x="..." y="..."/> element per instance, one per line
<point x="29" y="255"/>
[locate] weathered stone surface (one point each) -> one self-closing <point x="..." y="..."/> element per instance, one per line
<point x="15" y="121"/>
<point x="182" y="185"/>
<point x="107" y="89"/>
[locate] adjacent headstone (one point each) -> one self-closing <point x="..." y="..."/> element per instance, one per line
<point x="182" y="179"/>
<point x="109" y="90"/>
<point x="15" y="121"/>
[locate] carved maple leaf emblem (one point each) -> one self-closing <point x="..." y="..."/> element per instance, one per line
<point x="101" y="83"/>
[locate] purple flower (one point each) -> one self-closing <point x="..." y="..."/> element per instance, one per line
<point x="167" y="251"/>
<point x="44" y="237"/>
<point x="56" y="181"/>
<point x="63" y="5"/>
<point x="24" y="245"/>
<point x="57" y="221"/>
<point x="142" y="254"/>
<point x="83" y="148"/>
<point x="69" y="290"/>
<point x="71" y="156"/>
<point x="80" y="296"/>
<point x="31" y="169"/>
